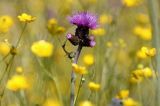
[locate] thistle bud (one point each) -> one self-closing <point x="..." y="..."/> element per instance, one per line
<point x="73" y="39"/>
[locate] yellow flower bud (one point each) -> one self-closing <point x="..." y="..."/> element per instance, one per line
<point x="51" y="25"/>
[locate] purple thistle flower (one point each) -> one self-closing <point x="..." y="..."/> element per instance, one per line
<point x="84" y="19"/>
<point x="84" y="22"/>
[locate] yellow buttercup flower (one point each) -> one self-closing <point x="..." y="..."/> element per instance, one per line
<point x="123" y="94"/>
<point x="79" y="69"/>
<point x="145" y="52"/>
<point x="99" y="32"/>
<point x="142" y="54"/>
<point x="139" y="74"/>
<point x="42" y="48"/>
<point x="51" y="102"/>
<point x="86" y="103"/>
<point x="26" y="18"/>
<point x="136" y="76"/>
<point x="129" y="102"/>
<point x="6" y="22"/>
<point x="17" y="82"/>
<point x="105" y="19"/>
<point x="88" y="59"/>
<point x="131" y="3"/>
<point x="144" y="33"/>
<point x="5" y="48"/>
<point x="94" y="86"/>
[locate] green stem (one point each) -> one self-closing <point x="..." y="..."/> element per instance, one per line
<point x="73" y="76"/>
<point x="90" y="95"/>
<point x="10" y="63"/>
<point x="50" y="76"/>
<point x="20" y="37"/>
<point x="139" y="92"/>
<point x="79" y="87"/>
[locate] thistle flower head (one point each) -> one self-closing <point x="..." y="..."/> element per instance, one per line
<point x="84" y="22"/>
<point x="84" y="19"/>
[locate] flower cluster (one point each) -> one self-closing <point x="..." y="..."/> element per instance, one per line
<point x="138" y="75"/>
<point x="123" y="98"/>
<point x="84" y="21"/>
<point x="145" y="52"/>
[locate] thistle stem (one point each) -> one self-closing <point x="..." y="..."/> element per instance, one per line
<point x="79" y="88"/>
<point x="73" y="76"/>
